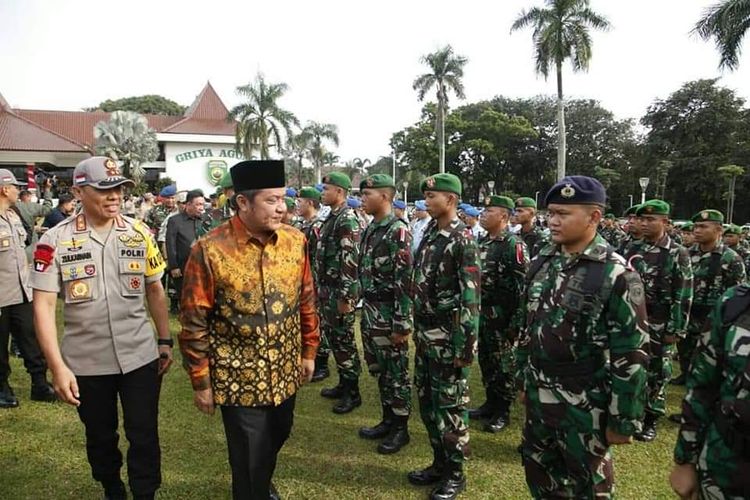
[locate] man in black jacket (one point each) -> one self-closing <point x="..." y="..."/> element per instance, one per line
<point x="63" y="210"/>
<point x="182" y="230"/>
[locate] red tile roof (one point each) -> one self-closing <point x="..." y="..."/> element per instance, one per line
<point x="40" y="130"/>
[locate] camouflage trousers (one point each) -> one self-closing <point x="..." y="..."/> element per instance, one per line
<point x="659" y="371"/>
<point x="390" y="363"/>
<point x="497" y="362"/>
<point x="443" y="393"/>
<point x="324" y="348"/>
<point x="338" y="330"/>
<point x="721" y="473"/>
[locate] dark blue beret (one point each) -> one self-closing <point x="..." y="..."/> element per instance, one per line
<point x="577" y="190"/>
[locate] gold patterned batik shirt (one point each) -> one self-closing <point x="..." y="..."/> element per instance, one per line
<point x="248" y="315"/>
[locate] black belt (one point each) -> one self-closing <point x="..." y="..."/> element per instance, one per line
<point x="430" y="322"/>
<point x="380" y="296"/>
<point x="580" y="368"/>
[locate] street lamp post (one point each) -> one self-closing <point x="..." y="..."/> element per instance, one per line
<point x="631" y="200"/>
<point x="536" y="198"/>
<point x="491" y="185"/>
<point x="643" y="181"/>
<point x="406" y="185"/>
<point x="394" y="164"/>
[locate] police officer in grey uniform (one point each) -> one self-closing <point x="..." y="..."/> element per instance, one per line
<point x="104" y="265"/>
<point x="16" y="312"/>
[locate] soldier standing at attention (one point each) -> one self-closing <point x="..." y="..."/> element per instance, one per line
<point x="384" y="274"/>
<point x="633" y="229"/>
<point x="582" y="350"/>
<point x="158" y="214"/>
<point x="686" y="233"/>
<point x="712" y="455"/>
<point x="667" y="277"/>
<point x="610" y="232"/>
<point x="504" y="263"/>
<point x="446" y="291"/>
<point x="732" y="235"/>
<point x="338" y="289"/>
<point x="532" y="234"/>
<point x="716" y="268"/>
<point x="107" y="268"/>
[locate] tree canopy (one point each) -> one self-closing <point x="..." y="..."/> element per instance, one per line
<point x="145" y="104"/>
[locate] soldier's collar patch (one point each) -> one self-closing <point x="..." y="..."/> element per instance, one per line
<point x="568" y="191"/>
<point x="80" y="223"/>
<point x="120" y="223"/>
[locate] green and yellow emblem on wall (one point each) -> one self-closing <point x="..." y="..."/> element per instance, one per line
<point x="216" y="170"/>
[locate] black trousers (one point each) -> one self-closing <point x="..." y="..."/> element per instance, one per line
<point x="139" y="395"/>
<point x="254" y="438"/>
<point x="19" y="320"/>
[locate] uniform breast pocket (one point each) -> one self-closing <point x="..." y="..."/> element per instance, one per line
<point x="5" y="242"/>
<point x="131" y="277"/>
<point x="80" y="282"/>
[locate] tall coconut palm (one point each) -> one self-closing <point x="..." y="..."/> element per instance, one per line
<point x="561" y="31"/>
<point x="726" y="22"/>
<point x="261" y="122"/>
<point x="446" y="71"/>
<point x="297" y="149"/>
<point x="127" y="138"/>
<point x="316" y="135"/>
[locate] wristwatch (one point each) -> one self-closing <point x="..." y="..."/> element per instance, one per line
<point x="168" y="342"/>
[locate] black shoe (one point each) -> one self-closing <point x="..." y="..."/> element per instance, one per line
<point x="675" y="418"/>
<point x="397" y="438"/>
<point x="451" y="487"/>
<point x="382" y="429"/>
<point x="648" y="433"/>
<point x="679" y="380"/>
<point x="14" y="350"/>
<point x="429" y="475"/>
<point x="7" y="397"/>
<point x="115" y="490"/>
<point x="273" y="493"/>
<point x="484" y="411"/>
<point x="497" y="423"/>
<point x="321" y="369"/>
<point x="333" y="392"/>
<point x="41" y="390"/>
<point x="350" y="400"/>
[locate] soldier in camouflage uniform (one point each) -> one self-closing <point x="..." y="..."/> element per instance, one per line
<point x="504" y="261"/>
<point x="338" y="289"/>
<point x="716" y="268"/>
<point x="533" y="235"/>
<point x="384" y="274"/>
<point x="157" y="215"/>
<point x="732" y="239"/>
<point x="225" y="210"/>
<point x="446" y="292"/>
<point x="582" y="350"/>
<point x="610" y="232"/>
<point x="712" y="454"/>
<point x="667" y="277"/>
<point x="686" y="234"/>
<point x="633" y="229"/>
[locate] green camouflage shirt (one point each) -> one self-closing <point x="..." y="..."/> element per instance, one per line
<point x="667" y="277"/>
<point x="614" y="236"/>
<point x="446" y="283"/>
<point x="708" y="288"/>
<point x="505" y="261"/>
<point x="384" y="273"/>
<point x="715" y="376"/>
<point x="560" y="328"/>
<point x="156" y="217"/>
<point x="535" y="240"/>
<point x="337" y="256"/>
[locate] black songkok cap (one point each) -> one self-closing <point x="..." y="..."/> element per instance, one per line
<point x="258" y="174"/>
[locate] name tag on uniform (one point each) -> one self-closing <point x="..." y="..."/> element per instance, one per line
<point x="133" y="253"/>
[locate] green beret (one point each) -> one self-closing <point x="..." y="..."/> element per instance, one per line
<point x="653" y="207"/>
<point x="733" y="229"/>
<point x="631" y="211"/>
<point x="226" y="181"/>
<point x="687" y="227"/>
<point x="500" y="201"/>
<point x="377" y="181"/>
<point x="610" y="217"/>
<point x="289" y="202"/>
<point x="448" y="183"/>
<point x="525" y="203"/>
<point x="339" y="179"/>
<point x="709" y="215"/>
<point x="309" y="193"/>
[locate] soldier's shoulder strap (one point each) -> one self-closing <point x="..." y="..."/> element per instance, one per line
<point x="594" y="282"/>
<point x="536" y="265"/>
<point x="737" y="306"/>
<point x="714" y="266"/>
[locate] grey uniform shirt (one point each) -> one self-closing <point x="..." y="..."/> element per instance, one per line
<point x="103" y="280"/>
<point x="14" y="268"/>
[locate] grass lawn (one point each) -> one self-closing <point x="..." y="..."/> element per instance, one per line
<point x="42" y="452"/>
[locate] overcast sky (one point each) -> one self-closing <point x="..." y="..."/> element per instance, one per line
<point x="351" y="63"/>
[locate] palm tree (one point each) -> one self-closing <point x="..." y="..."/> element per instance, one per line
<point x="127" y="138"/>
<point x="297" y="149"/>
<point x="561" y="31"/>
<point x="315" y="135"/>
<point x="446" y="72"/>
<point x="726" y="22"/>
<point x="260" y="119"/>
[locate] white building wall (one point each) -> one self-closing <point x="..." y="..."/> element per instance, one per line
<point x="187" y="163"/>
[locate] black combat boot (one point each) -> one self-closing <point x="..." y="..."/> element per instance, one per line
<point x="321" y="369"/>
<point x="648" y="433"/>
<point x="334" y="392"/>
<point x="675" y="418"/>
<point x="680" y="380"/>
<point x="397" y="438"/>
<point x="484" y="411"/>
<point x="499" y="421"/>
<point x="350" y="398"/>
<point x="432" y="474"/>
<point x="7" y="397"/>
<point x="452" y="484"/>
<point x="114" y="490"/>
<point x="382" y="429"/>
<point x="41" y="390"/>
